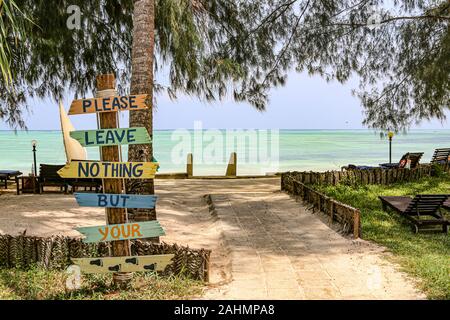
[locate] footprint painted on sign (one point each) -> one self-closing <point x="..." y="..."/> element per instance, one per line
<point x="115" y="268"/>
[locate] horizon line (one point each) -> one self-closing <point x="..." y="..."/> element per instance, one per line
<point x="281" y="129"/>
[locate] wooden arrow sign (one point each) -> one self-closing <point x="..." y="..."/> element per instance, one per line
<point x="126" y="231"/>
<point x="108" y="104"/>
<point x="109" y="170"/>
<point x="111" y="137"/>
<point x="109" y="200"/>
<point x="124" y="264"/>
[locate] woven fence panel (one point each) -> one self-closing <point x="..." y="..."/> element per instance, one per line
<point x="362" y="177"/>
<point x="55" y="253"/>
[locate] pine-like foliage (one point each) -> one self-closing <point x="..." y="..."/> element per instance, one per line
<point x="243" y="48"/>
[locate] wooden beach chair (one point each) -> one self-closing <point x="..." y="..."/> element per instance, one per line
<point x="92" y="184"/>
<point x="10" y="175"/>
<point x="48" y="176"/>
<point x="422" y="211"/>
<point x="413" y="157"/>
<point x="441" y="156"/>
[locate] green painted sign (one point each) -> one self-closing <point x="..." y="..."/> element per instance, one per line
<point x="126" y="231"/>
<point x="111" y="137"/>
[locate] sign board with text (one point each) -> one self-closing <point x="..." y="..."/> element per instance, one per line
<point x="109" y="170"/>
<point x="109" y="200"/>
<point x="109" y="104"/>
<point x="125" y="231"/>
<point x="111" y="137"/>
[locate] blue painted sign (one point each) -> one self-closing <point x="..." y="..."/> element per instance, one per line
<point x="104" y="200"/>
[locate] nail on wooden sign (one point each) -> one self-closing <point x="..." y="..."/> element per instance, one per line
<point x="109" y="170"/>
<point x="125" y="231"/>
<point x="110" y="200"/>
<point x="108" y="104"/>
<point x="111" y="137"/>
<point x="124" y="264"/>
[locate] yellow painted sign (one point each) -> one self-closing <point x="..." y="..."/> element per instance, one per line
<point x="109" y="104"/>
<point x="109" y="170"/>
<point x="124" y="264"/>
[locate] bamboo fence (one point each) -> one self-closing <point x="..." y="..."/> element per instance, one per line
<point x="363" y="177"/>
<point x="55" y="253"/>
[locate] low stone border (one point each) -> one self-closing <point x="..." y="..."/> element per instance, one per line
<point x="54" y="253"/>
<point x="348" y="217"/>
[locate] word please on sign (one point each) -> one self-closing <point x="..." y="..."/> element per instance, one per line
<point x="108" y="104"/>
<point x="109" y="170"/>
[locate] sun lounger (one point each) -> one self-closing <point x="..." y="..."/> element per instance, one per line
<point x="10" y="175"/>
<point x="355" y="167"/>
<point x="422" y="211"/>
<point x="441" y="156"/>
<point x="48" y="176"/>
<point x="413" y="157"/>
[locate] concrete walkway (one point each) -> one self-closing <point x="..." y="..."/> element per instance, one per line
<point x="268" y="246"/>
<point x="280" y="250"/>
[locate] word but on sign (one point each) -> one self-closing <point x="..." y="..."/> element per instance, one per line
<point x="116" y="200"/>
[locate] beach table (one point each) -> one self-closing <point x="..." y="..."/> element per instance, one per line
<point x="10" y="175"/>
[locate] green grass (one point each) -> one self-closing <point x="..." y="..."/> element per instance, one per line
<point x="39" y="284"/>
<point x="425" y="256"/>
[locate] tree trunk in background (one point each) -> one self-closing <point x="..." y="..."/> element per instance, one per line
<point x="142" y="83"/>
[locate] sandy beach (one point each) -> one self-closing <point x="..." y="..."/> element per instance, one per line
<point x="264" y="244"/>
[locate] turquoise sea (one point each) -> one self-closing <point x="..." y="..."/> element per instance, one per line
<point x="294" y="149"/>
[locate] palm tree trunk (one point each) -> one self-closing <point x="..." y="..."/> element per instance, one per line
<point x="142" y="83"/>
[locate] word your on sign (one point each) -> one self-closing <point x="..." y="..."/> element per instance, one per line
<point x="126" y="231"/>
<point x="108" y="104"/>
<point x="111" y="137"/>
<point x="116" y="200"/>
<point x="124" y="264"/>
<point x="109" y="170"/>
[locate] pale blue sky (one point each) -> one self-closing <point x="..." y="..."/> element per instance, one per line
<point x="303" y="103"/>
